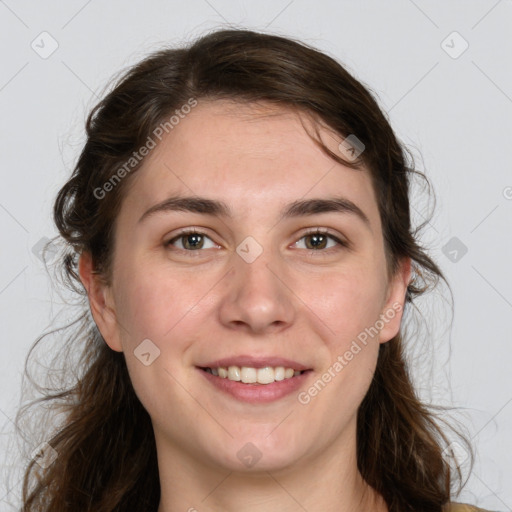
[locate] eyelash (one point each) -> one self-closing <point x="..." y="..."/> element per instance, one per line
<point x="315" y="231"/>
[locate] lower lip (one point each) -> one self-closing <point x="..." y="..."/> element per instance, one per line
<point x="257" y="393"/>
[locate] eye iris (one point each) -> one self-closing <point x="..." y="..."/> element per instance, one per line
<point x="197" y="240"/>
<point x="315" y="240"/>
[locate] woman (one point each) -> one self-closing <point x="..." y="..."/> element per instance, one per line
<point x="239" y="224"/>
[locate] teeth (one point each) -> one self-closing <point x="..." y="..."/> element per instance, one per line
<point x="249" y="375"/>
<point x="234" y="373"/>
<point x="279" y="373"/>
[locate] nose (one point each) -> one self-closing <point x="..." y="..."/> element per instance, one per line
<point x="257" y="297"/>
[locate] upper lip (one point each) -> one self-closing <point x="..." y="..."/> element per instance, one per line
<point x="255" y="362"/>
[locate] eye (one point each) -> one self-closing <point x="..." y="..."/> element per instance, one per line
<point x="190" y="241"/>
<point x="319" y="240"/>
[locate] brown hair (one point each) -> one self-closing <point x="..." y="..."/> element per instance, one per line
<point x="106" y="454"/>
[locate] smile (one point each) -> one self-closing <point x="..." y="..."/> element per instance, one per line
<point x="249" y="375"/>
<point x="245" y="386"/>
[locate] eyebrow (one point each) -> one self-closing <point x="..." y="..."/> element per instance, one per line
<point x="299" y="208"/>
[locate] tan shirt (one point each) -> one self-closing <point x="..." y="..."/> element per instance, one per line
<point x="462" y="507"/>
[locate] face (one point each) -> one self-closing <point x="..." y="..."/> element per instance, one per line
<point x="258" y="283"/>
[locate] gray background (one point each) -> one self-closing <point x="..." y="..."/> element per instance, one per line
<point x="453" y="108"/>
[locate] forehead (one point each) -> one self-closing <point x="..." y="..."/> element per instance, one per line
<point x="249" y="155"/>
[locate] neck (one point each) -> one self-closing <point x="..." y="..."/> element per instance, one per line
<point x="232" y="492"/>
<point x="329" y="482"/>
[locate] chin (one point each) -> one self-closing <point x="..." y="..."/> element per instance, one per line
<point x="255" y="454"/>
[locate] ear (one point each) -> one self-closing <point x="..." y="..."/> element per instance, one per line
<point x="393" y="309"/>
<point x="100" y="302"/>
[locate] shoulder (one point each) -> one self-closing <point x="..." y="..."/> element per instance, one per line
<point x="462" y="507"/>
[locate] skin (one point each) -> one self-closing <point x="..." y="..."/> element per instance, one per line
<point x="208" y="303"/>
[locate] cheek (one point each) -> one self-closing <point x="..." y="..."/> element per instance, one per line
<point x="348" y="302"/>
<point x="162" y="311"/>
<point x="150" y="304"/>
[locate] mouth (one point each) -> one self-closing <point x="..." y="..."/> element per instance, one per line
<point x="255" y="385"/>
<point x="256" y="376"/>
